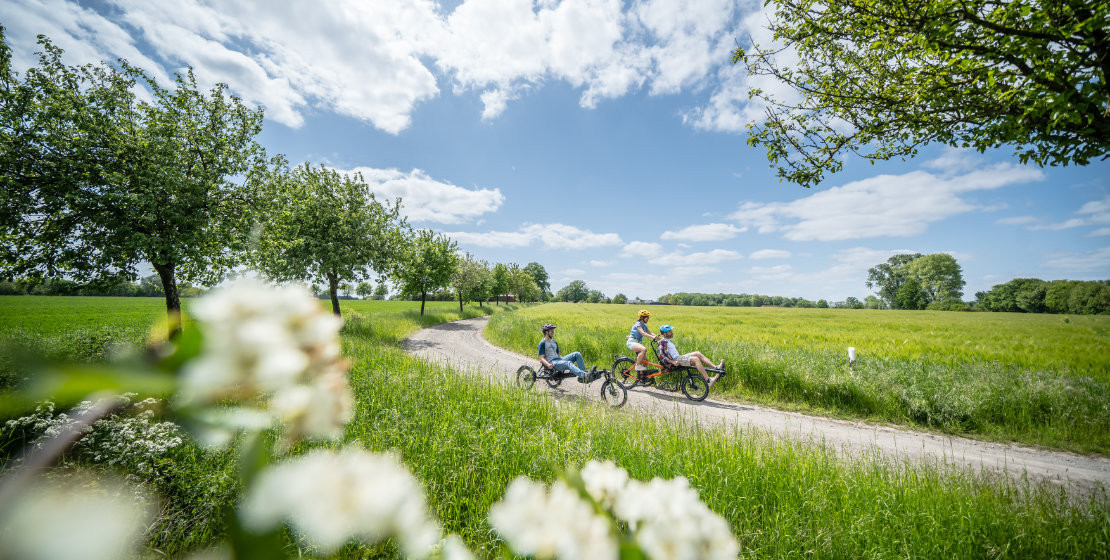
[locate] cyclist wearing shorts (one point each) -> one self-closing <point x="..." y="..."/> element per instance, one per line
<point x="635" y="341"/>
<point x="696" y="359"/>
<point x="550" y="357"/>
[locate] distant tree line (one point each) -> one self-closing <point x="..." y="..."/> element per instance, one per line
<point x="1032" y="295"/>
<point x="148" y="286"/>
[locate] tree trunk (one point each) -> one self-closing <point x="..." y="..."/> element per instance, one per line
<point x="173" y="299"/>
<point x="423" y="296"/>
<point x="333" y="291"/>
<point x="460" y="303"/>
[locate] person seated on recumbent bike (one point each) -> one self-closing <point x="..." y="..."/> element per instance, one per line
<point x="669" y="352"/>
<point x="551" y="359"/>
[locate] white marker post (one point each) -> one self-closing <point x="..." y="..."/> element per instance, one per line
<point x="851" y="356"/>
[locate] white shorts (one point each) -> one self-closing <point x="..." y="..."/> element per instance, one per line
<point x="630" y="342"/>
<point x="684" y="360"/>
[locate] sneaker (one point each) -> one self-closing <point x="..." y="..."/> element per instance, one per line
<point x="640" y="367"/>
<point x="713" y="380"/>
<point x="721" y="365"/>
<point x="584" y="378"/>
<point x="595" y="375"/>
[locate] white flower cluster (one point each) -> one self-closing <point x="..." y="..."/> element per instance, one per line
<point x="74" y="517"/>
<point x="273" y="343"/>
<point x="664" y="518"/>
<point x="128" y="438"/>
<point x="555" y="524"/>
<point x="332" y="497"/>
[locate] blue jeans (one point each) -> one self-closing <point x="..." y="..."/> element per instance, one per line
<point x="569" y="362"/>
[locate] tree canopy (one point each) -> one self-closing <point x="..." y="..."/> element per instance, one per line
<point x="880" y="78"/>
<point x="472" y="280"/>
<point x="95" y="180"/>
<point x="575" y="291"/>
<point x="913" y="281"/>
<point x="323" y="227"/>
<point x="429" y="260"/>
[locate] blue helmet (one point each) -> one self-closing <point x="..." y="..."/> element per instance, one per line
<point x="666" y="329"/>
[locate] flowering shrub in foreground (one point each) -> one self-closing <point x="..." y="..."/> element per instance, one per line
<point x="265" y="358"/>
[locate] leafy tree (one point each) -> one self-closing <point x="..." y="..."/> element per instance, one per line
<point x="539" y="275"/>
<point x="327" y="228"/>
<point x="620" y="298"/>
<point x="910" y="295"/>
<point x="501" y="281"/>
<point x="594" y="296"/>
<point x="96" y="180"/>
<point x="822" y="304"/>
<point x="872" y="302"/>
<point x="940" y="276"/>
<point x="471" y="280"/>
<point x="890" y="276"/>
<point x="574" y="292"/>
<point x="364" y="289"/>
<point x="878" y="79"/>
<point x="428" y="262"/>
<point x="853" y="303"/>
<point x="381" y="292"/>
<point x="522" y="285"/>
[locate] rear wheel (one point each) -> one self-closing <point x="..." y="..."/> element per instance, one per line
<point x="624" y="372"/>
<point x="525" y="377"/>
<point x="695" y="388"/>
<point x="613" y="394"/>
<point x="553" y="379"/>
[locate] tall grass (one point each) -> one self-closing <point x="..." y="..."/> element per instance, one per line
<point x="1036" y="379"/>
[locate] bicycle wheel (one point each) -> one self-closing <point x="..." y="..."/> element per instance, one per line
<point x="695" y="388"/>
<point x="554" y="379"/>
<point x="525" y="377"/>
<point x="624" y="372"/>
<point x="613" y="393"/>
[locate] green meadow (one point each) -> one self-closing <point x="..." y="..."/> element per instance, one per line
<point x="467" y="440"/>
<point x="1033" y="378"/>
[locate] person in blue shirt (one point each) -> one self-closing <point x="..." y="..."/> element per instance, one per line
<point x="550" y="357"/>
<point x="635" y="340"/>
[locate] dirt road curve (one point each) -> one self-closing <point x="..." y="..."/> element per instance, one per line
<point x="461" y="345"/>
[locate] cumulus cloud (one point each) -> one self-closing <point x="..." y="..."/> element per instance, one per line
<point x="881" y="206"/>
<point x="551" y="236"/>
<point x="696" y="259"/>
<point x="769" y="254"/>
<point x="428" y="200"/>
<point x="641" y="249"/>
<point x="1092" y="264"/>
<point x="704" y="232"/>
<point x="373" y="60"/>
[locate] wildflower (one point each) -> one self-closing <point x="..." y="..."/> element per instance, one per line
<point x="670" y="522"/>
<point x="98" y="519"/>
<point x="332" y="497"/>
<point x="555" y="524"/>
<point x="605" y="482"/>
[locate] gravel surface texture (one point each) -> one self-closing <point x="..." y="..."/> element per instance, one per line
<point x="461" y="345"/>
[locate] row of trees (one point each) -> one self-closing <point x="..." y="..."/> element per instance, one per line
<point x="102" y="169"/>
<point x="758" y="300"/>
<point x="148" y="286"/>
<point x="1032" y="295"/>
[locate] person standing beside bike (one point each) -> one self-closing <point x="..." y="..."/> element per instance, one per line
<point x="550" y="357"/>
<point x="635" y="341"/>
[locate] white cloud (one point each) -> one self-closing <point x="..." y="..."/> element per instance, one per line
<point x="881" y="206"/>
<point x="1092" y="264"/>
<point x="600" y="264"/>
<point x="954" y="160"/>
<point x="704" y="232"/>
<point x="372" y="59"/>
<point x="769" y="254"/>
<point x="567" y="273"/>
<point x="778" y="272"/>
<point x="641" y="249"/>
<point x="552" y="236"/>
<point x="1093" y="213"/>
<point x="696" y="259"/>
<point x="427" y="200"/>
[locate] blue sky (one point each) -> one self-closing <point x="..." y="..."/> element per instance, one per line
<point x="600" y="138"/>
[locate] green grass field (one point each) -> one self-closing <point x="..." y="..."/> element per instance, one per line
<point x="1037" y="379"/>
<point x="466" y="440"/>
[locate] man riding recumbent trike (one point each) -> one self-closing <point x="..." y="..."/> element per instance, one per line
<point x="689" y="371"/>
<point x="554" y="368"/>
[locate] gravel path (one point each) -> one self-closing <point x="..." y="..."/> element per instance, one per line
<point x="461" y="345"/>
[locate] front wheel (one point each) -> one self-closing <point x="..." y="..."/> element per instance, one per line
<point x="525" y="377"/>
<point x="624" y="372"/>
<point x="613" y="394"/>
<point x="695" y="388"/>
<point x="553" y="379"/>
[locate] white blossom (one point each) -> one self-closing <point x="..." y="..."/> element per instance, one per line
<point x="605" y="482"/>
<point x="91" y="519"/>
<point x="332" y="497"/>
<point x="556" y="524"/>
<point x="454" y="549"/>
<point x="670" y="522"/>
